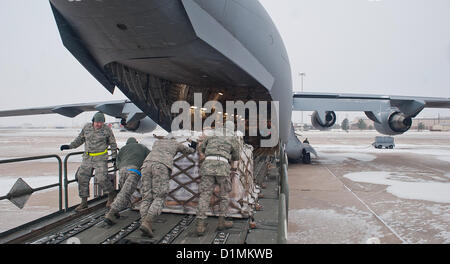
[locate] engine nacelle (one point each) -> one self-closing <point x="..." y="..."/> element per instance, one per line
<point x="393" y="123"/>
<point x="145" y="125"/>
<point x="330" y="120"/>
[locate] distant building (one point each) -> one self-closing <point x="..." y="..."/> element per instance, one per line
<point x="442" y="122"/>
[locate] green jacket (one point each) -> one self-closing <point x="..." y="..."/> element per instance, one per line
<point x="132" y="154"/>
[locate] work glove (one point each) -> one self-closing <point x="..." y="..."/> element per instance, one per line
<point x="63" y="147"/>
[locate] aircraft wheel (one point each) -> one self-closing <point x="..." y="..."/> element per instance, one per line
<point x="306" y="158"/>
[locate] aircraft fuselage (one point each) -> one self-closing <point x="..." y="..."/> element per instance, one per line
<point x="158" y="52"/>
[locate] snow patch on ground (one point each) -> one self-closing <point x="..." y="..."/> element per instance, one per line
<point x="417" y="222"/>
<point x="405" y="187"/>
<point x="316" y="226"/>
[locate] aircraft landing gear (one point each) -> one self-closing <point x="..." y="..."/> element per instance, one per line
<point x="306" y="158"/>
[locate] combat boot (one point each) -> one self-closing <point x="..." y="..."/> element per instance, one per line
<point x="109" y="217"/>
<point x="83" y="205"/>
<point x="146" y="227"/>
<point x="201" y="227"/>
<point x="111" y="197"/>
<point x="223" y="224"/>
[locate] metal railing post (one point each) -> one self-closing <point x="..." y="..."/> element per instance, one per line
<point x="282" y="221"/>
<point x="283" y="207"/>
<point x="285" y="187"/>
<point x="66" y="181"/>
<point x="60" y="182"/>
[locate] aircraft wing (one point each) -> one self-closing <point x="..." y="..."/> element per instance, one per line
<point x="65" y="110"/>
<point x="118" y="109"/>
<point x="133" y="118"/>
<point x="409" y="105"/>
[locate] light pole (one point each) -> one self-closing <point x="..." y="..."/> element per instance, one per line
<point x="302" y="74"/>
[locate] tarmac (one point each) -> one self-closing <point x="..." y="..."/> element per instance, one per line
<point x="355" y="194"/>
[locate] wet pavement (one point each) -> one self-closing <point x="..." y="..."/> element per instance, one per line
<point x="353" y="193"/>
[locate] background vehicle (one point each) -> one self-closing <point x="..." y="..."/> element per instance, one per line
<point x="383" y="142"/>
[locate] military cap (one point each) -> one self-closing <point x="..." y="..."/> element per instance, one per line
<point x="131" y="140"/>
<point x="99" y="117"/>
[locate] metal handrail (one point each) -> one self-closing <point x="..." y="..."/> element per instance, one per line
<point x="9" y="196"/>
<point x="67" y="182"/>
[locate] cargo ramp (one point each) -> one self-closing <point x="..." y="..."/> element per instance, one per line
<point x="267" y="225"/>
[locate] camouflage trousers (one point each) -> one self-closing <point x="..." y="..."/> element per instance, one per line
<point x="128" y="182"/>
<point x="206" y="189"/>
<point x="84" y="174"/>
<point x="155" y="187"/>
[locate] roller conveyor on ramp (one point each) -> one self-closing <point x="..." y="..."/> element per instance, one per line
<point x="88" y="227"/>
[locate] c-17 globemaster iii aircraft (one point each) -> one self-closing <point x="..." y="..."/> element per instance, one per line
<point x="159" y="52"/>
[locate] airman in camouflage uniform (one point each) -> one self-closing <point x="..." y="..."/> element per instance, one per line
<point x="129" y="163"/>
<point x="97" y="137"/>
<point x="155" y="179"/>
<point x="219" y="152"/>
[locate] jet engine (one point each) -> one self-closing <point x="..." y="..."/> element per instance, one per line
<point x="145" y="125"/>
<point x="393" y="123"/>
<point x="330" y="120"/>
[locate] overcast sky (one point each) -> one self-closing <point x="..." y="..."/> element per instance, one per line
<point x="395" y="47"/>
